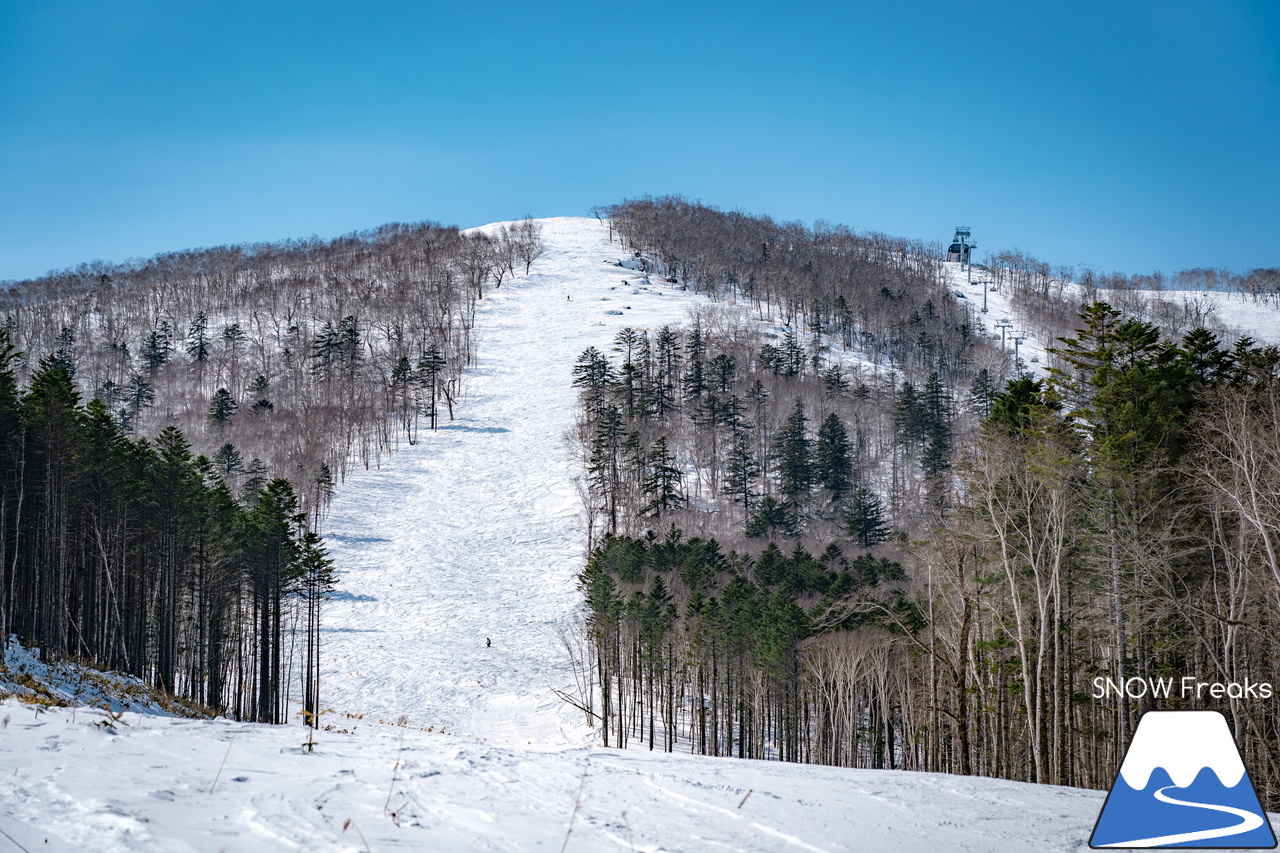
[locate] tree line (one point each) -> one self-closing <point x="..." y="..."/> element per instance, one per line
<point x="1111" y="519"/>
<point x="1102" y="530"/>
<point x="296" y="358"/>
<point x="729" y="654"/>
<point x="138" y="555"/>
<point x="733" y="434"/>
<point x="167" y="461"/>
<point x="881" y="297"/>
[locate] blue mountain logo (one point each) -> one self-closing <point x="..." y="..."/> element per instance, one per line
<point x="1182" y="784"/>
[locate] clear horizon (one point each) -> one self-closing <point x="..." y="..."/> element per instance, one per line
<point x="1136" y="139"/>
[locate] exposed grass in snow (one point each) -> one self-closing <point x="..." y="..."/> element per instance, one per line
<point x="74" y="682"/>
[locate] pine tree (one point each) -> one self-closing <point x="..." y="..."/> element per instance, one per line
<point x="792" y="354"/>
<point x="909" y="419"/>
<point x="155" y="350"/>
<point x="723" y="372"/>
<point x="233" y="335"/>
<point x="349" y="343"/>
<point x="773" y="517"/>
<point x="741" y="471"/>
<point x="324" y="486"/>
<point x="222" y="407"/>
<point x="258" y="388"/>
<point x="594" y="375"/>
<point x="981" y="392"/>
<point x="626" y="342"/>
<point x="662" y="481"/>
<point x="1015" y="409"/>
<point x="324" y="351"/>
<point x="66" y="351"/>
<point x="11" y="465"/>
<point x="771" y="359"/>
<point x="1130" y="396"/>
<point x="255" y="474"/>
<point x="791" y="452"/>
<point x="109" y="392"/>
<point x="694" y="383"/>
<point x="833" y="381"/>
<point x="139" y="394"/>
<point x="198" y="339"/>
<point x="227" y="462"/>
<point x="832" y="458"/>
<point x="630" y="380"/>
<point x="176" y="492"/>
<point x="1202" y="357"/>
<point x="864" y="519"/>
<point x="274" y="562"/>
<point x="427" y="374"/>
<point x="52" y="417"/>
<point x="667" y="366"/>
<point x="935" y="406"/>
<point x="317" y="580"/>
<point x="605" y="465"/>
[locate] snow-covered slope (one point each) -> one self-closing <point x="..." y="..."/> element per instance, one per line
<point x="151" y="787"/>
<point x="1237" y="313"/>
<point x="473" y="534"/>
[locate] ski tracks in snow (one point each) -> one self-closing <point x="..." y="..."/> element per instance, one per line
<point x="475" y="531"/>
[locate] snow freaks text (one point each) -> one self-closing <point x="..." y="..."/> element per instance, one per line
<point x="1186" y="687"/>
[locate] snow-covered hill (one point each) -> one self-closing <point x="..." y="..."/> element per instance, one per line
<point x="150" y="786"/>
<point x="474" y="533"/>
<point x="1234" y="313"/>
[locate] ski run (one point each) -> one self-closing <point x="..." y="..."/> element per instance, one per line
<point x="444" y="649"/>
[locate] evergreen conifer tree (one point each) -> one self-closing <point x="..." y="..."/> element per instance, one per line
<point x="864" y="518"/>
<point x="155" y="350"/>
<point x="832" y="457"/>
<point x="773" y="517"/>
<point x="222" y="407"/>
<point x="981" y="392"/>
<point x="11" y="460"/>
<point x="198" y="339"/>
<point x="791" y="452"/>
<point x="662" y="481"/>
<point x="741" y="471"/>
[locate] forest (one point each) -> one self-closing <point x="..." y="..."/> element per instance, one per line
<point x="923" y="561"/>
<point x="297" y="358"/>
<point x="136" y="554"/>
<point x="172" y="430"/>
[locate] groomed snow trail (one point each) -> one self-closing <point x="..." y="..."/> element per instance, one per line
<point x="475" y="531"/>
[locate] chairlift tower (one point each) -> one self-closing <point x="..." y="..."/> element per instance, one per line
<point x="960" y="248"/>
<point x="1018" y="338"/>
<point x="1004" y="326"/>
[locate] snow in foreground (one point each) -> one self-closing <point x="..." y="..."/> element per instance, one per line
<point x="474" y="533"/>
<point x="150" y="786"/>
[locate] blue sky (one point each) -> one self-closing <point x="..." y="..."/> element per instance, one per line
<point x="1127" y="135"/>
